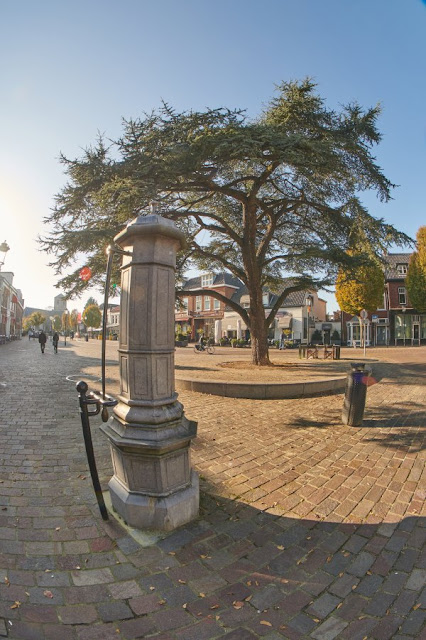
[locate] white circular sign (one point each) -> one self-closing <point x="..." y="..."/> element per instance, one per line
<point x="363" y="314"/>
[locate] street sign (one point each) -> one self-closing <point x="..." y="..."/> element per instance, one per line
<point x="363" y="314"/>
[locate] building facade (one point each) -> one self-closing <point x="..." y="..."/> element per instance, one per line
<point x="396" y="322"/>
<point x="12" y="308"/>
<point x="199" y="314"/>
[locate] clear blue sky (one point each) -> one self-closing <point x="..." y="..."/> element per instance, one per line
<point x="71" y="68"/>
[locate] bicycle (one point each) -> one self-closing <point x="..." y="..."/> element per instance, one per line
<point x="198" y="348"/>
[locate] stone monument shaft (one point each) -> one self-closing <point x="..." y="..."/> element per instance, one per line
<point x="153" y="486"/>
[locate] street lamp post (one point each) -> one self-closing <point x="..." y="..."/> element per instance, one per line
<point x="4" y="248"/>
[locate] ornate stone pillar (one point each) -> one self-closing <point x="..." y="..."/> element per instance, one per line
<point x="153" y="486"/>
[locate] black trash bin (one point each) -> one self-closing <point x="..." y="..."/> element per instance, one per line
<point x="302" y="351"/>
<point x="355" y="395"/>
<point x="336" y="352"/>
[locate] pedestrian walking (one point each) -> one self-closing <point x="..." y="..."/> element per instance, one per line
<point x="55" y="340"/>
<point x="282" y="340"/>
<point x="42" y="340"/>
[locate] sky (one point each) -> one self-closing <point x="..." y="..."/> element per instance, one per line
<point x="73" y="68"/>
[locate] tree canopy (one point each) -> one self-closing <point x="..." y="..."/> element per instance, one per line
<point x="92" y="316"/>
<point x="416" y="274"/>
<point x="263" y="198"/>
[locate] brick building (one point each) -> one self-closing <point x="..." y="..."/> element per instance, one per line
<point x="199" y="313"/>
<point x="396" y="322"/>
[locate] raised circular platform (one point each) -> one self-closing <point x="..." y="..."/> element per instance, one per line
<point x="263" y="390"/>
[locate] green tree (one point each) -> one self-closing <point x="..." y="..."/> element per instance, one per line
<point x="90" y="301"/>
<point x="360" y="289"/>
<point x="37" y="319"/>
<point x="56" y="324"/>
<point x="92" y="316"/>
<point x="74" y="319"/>
<point x="263" y="199"/>
<point x="416" y="274"/>
<point x="65" y="321"/>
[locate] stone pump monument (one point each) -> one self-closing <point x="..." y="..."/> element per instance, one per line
<point x="153" y="486"/>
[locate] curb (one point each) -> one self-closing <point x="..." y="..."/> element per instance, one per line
<point x="266" y="391"/>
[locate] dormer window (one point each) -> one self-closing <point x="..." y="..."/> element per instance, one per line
<point x="402" y="269"/>
<point x="207" y="279"/>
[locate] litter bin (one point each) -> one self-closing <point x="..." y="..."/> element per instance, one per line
<point x="355" y="395"/>
<point x="336" y="352"/>
<point x="302" y="351"/>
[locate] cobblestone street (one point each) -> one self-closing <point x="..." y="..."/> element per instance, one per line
<point x="307" y="529"/>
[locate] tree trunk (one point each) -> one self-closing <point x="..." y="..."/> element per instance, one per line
<point x="258" y="333"/>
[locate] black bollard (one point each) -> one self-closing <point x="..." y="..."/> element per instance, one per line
<point x="355" y="395"/>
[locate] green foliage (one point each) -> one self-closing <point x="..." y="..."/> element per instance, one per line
<point x="362" y="289"/>
<point x="36" y="319"/>
<point x="416" y="274"/>
<point x="56" y="323"/>
<point x="92" y="316"/>
<point x="90" y="301"/>
<point x="74" y="319"/>
<point x="259" y="198"/>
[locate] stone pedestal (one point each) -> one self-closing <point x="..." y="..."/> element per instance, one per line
<point x="153" y="486"/>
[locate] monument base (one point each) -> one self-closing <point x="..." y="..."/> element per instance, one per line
<point x="159" y="513"/>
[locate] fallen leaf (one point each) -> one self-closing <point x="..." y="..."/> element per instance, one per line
<point x="162" y="602"/>
<point x="280" y="547"/>
<point x="16" y="605"/>
<point x="182" y="581"/>
<point x="316" y="619"/>
<point x="237" y="604"/>
<point x="202" y="595"/>
<point x="58" y="529"/>
<point x="266" y="623"/>
<point x="214" y="606"/>
<point x="416" y="606"/>
<point x="330" y="558"/>
<point x="248" y="598"/>
<point x="48" y="594"/>
<point x="184" y="606"/>
<point x="152" y="588"/>
<point x="172" y="553"/>
<point x="7" y="581"/>
<point x="248" y="583"/>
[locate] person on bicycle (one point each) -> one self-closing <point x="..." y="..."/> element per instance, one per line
<point x="201" y="341"/>
<point x="55" y="340"/>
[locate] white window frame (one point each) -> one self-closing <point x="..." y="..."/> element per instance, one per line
<point x="198" y="303"/>
<point x="207" y="303"/>
<point x="207" y="279"/>
<point x="216" y="304"/>
<point x="402" y="296"/>
<point x="402" y="269"/>
<point x="185" y="302"/>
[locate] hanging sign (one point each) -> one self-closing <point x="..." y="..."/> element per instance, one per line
<point x="85" y="273"/>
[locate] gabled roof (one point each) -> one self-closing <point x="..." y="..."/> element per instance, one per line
<point x="392" y="261"/>
<point x="220" y="279"/>
<point x="294" y="299"/>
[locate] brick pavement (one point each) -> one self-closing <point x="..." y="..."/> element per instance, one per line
<point x="308" y="529"/>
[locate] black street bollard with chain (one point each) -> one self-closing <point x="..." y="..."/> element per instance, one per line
<point x="100" y="404"/>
